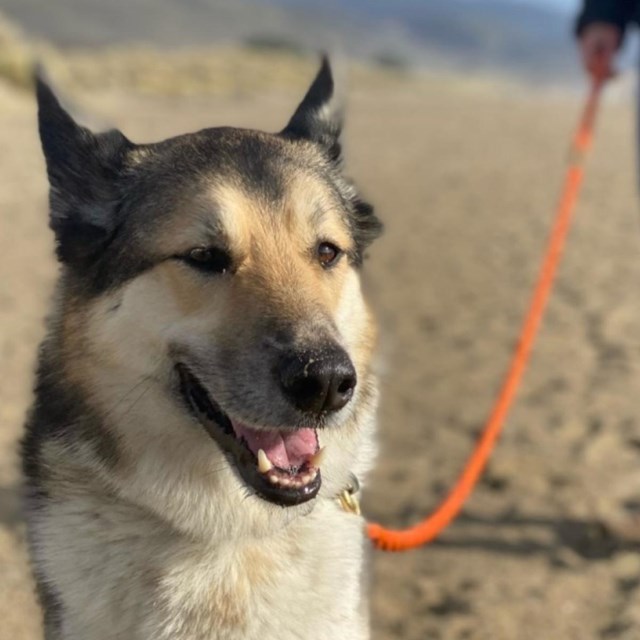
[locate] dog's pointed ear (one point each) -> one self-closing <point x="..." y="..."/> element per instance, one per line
<point x="319" y="117"/>
<point x="84" y="170"/>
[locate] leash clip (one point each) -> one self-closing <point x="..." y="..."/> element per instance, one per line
<point x="348" y="497"/>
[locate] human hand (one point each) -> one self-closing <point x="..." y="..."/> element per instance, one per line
<point x="599" y="43"/>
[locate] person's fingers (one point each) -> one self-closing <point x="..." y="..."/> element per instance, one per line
<point x="598" y="56"/>
<point x="601" y="70"/>
<point x="598" y="46"/>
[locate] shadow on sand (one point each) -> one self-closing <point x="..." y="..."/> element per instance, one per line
<point x="590" y="539"/>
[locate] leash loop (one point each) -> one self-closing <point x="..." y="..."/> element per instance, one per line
<point x="433" y="525"/>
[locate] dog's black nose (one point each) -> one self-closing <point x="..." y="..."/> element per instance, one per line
<point x="317" y="382"/>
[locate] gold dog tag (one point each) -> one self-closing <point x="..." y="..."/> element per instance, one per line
<point x="348" y="498"/>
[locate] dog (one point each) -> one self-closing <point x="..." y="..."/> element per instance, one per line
<point x="207" y="386"/>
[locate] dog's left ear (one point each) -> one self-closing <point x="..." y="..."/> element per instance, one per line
<point x="84" y="176"/>
<point x="319" y="117"/>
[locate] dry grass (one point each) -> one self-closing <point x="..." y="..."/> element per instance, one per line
<point x="224" y="71"/>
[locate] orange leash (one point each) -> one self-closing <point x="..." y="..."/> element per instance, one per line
<point x="430" y="528"/>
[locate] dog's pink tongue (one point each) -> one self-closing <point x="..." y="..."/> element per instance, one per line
<point x="284" y="449"/>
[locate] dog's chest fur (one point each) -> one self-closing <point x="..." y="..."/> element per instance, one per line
<point x="125" y="575"/>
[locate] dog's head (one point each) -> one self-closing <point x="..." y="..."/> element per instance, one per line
<point x="224" y="266"/>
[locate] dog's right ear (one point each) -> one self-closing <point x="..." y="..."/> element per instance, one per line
<point x="84" y="177"/>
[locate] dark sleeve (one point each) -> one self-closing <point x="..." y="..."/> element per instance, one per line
<point x="616" y="12"/>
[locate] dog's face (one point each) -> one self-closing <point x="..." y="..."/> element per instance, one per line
<point x="224" y="264"/>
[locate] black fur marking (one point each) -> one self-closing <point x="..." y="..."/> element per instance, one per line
<point x="365" y="226"/>
<point x="60" y="412"/>
<point x="51" y="607"/>
<point x="83" y="171"/>
<point x="314" y="119"/>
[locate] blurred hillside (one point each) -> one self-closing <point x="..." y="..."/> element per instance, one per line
<point x="225" y="69"/>
<point x="494" y="35"/>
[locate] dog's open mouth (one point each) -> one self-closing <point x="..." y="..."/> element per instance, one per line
<point x="281" y="465"/>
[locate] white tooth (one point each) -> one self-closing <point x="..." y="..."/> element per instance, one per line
<point x="314" y="473"/>
<point x="305" y="478"/>
<point x="317" y="459"/>
<point x="273" y="479"/>
<point x="285" y="482"/>
<point x="264" y="464"/>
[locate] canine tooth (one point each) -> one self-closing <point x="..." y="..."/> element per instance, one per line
<point x="264" y="464"/>
<point x="317" y="458"/>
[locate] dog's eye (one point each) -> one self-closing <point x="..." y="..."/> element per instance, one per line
<point x="209" y="259"/>
<point x="328" y="254"/>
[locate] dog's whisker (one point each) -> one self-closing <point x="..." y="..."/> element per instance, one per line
<point x="214" y="472"/>
<point x="144" y="392"/>
<point x="147" y="379"/>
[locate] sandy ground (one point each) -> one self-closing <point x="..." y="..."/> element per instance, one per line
<point x="466" y="179"/>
